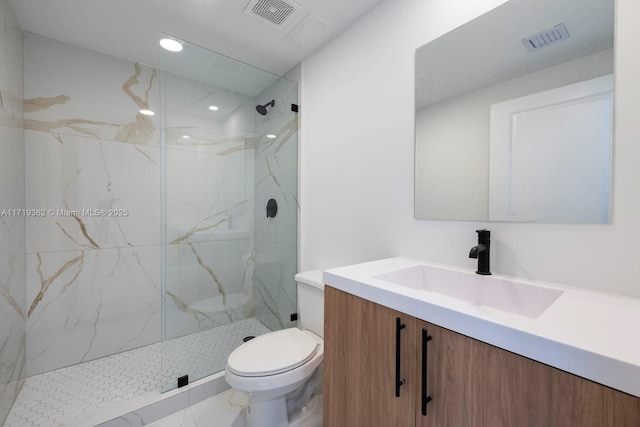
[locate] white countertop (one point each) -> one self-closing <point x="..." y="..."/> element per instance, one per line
<point x="588" y="333"/>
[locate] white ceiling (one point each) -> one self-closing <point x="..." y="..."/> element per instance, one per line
<point x="489" y="49"/>
<point x="130" y="28"/>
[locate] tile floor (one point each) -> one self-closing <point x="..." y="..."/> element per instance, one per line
<point x="96" y="391"/>
<point x="226" y="410"/>
<point x="223" y="410"/>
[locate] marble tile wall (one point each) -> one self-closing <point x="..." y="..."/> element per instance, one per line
<point x="206" y="285"/>
<point x="276" y="176"/>
<point x="93" y="165"/>
<point x="209" y="205"/>
<point x="12" y="237"/>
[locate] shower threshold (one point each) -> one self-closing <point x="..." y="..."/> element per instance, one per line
<point x="100" y="390"/>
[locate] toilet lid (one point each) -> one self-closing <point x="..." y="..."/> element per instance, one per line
<point x="273" y="353"/>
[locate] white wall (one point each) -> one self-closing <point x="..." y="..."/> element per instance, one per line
<point x="356" y="190"/>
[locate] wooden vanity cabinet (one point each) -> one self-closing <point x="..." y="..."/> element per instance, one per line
<point x="470" y="383"/>
<point x="360" y="362"/>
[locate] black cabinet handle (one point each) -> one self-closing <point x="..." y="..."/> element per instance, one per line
<point x="399" y="382"/>
<point x="425" y="399"/>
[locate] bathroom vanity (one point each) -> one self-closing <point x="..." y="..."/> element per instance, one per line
<point x="403" y="349"/>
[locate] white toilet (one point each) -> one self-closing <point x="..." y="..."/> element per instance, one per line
<point x="272" y="365"/>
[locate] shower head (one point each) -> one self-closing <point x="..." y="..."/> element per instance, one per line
<point x="262" y="109"/>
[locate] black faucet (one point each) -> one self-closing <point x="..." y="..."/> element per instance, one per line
<point x="481" y="252"/>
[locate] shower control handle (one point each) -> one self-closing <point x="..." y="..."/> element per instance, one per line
<point x="272" y="208"/>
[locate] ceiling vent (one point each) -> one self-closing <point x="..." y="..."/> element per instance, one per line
<point x="272" y="12"/>
<point x="546" y="38"/>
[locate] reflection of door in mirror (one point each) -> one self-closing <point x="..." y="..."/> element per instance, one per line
<point x="550" y="155"/>
<point x="491" y="60"/>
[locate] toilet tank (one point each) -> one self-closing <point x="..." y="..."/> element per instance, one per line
<point x="311" y="301"/>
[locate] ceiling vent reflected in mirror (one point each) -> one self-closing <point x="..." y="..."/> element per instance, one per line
<point x="546" y="38"/>
<point x="272" y="12"/>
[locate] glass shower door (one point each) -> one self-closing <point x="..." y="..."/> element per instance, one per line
<point x="219" y="283"/>
<point x="276" y="183"/>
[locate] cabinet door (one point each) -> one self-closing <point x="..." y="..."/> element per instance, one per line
<point x="360" y="363"/>
<point x="448" y="368"/>
<point x="475" y="384"/>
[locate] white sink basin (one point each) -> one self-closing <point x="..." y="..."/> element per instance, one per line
<point x="496" y="292"/>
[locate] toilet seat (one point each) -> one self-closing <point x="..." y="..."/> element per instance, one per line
<point x="273" y="353"/>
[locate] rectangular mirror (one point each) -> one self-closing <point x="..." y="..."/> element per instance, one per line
<point x="514" y="115"/>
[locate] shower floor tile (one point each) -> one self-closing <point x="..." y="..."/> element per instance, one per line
<point x="96" y="391"/>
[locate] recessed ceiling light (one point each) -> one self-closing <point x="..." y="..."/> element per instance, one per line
<point x="186" y="136"/>
<point x="271" y="136"/>
<point x="171" y="45"/>
<point x="147" y="112"/>
<point x="213" y="108"/>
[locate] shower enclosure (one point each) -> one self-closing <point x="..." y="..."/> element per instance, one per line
<point x="135" y="248"/>
<point x="228" y="266"/>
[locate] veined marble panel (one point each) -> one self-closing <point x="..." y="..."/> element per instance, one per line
<point x="280" y="120"/>
<point x="95" y="194"/>
<point x="12" y="311"/>
<point x="11" y="70"/>
<point x="12" y="239"/>
<point x="276" y="165"/>
<point x="274" y="285"/>
<point x="71" y="90"/>
<point x="86" y="304"/>
<point x="12" y="330"/>
<point x="207" y="284"/>
<point x="12" y="233"/>
<point x="206" y="197"/>
<point x="277" y="178"/>
<point x="191" y="125"/>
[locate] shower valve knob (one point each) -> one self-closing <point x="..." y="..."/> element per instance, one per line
<point x="272" y="208"/>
